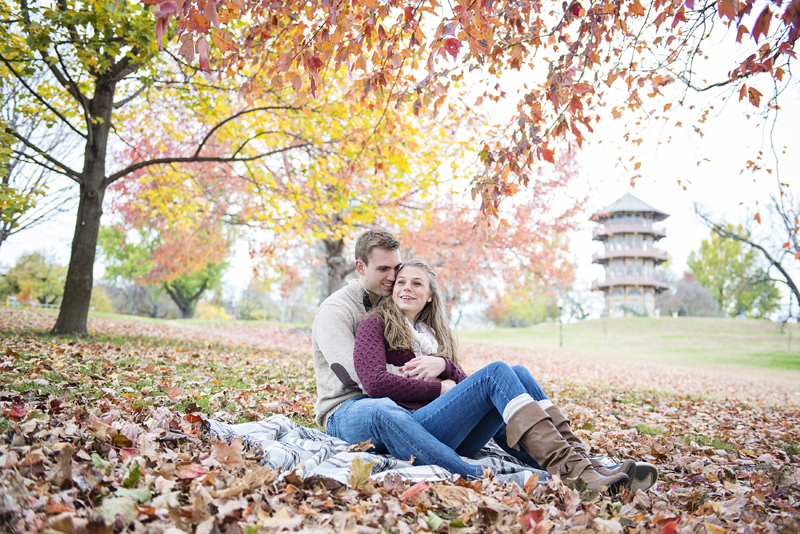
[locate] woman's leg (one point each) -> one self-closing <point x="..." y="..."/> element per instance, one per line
<point x="454" y="415"/>
<point x="492" y="426"/>
<point x="537" y="393"/>
<point x="392" y="427"/>
<point x="460" y="412"/>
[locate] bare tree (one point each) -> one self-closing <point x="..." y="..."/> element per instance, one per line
<point x="20" y="172"/>
<point x="780" y="249"/>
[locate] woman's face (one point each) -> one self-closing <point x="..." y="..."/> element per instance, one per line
<point x="411" y="291"/>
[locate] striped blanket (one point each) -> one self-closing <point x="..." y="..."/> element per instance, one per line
<point x="311" y="453"/>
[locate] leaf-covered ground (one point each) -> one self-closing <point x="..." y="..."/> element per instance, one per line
<point x="105" y="435"/>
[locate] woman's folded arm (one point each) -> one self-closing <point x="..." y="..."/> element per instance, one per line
<point x="369" y="358"/>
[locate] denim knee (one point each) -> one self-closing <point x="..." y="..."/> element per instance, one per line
<point x="530" y="383"/>
<point x="499" y="368"/>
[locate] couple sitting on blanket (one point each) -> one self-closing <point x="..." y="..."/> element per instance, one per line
<point x="387" y="370"/>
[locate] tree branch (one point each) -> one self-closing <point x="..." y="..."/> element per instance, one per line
<point x="194" y="159"/>
<point x="38" y="97"/>
<point x="78" y="177"/>
<point x="722" y="232"/>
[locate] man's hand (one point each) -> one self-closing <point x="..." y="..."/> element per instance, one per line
<point x="425" y="368"/>
<point x="447" y="385"/>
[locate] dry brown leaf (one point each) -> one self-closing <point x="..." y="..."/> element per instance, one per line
<point x="229" y="454"/>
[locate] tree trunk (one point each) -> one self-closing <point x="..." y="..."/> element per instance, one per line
<point x="80" y="276"/>
<point x="337" y="268"/>
<point x="186" y="303"/>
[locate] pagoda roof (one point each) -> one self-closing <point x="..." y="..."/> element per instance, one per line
<point x="627" y="203"/>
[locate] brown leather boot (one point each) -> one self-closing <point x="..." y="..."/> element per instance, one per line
<point x="532" y="428"/>
<point x="561" y="423"/>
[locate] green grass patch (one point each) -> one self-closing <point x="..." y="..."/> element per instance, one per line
<point x="649" y="430"/>
<point x="714" y="443"/>
<point x="694" y="341"/>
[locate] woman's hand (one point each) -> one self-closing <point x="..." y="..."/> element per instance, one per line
<point x="447" y="385"/>
<point x="425" y="368"/>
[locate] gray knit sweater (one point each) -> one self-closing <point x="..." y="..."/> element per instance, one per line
<point x="333" y="339"/>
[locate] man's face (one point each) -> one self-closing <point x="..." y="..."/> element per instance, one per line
<point x="377" y="276"/>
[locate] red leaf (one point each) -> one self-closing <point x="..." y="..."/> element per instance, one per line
<point x="201" y="47"/>
<point x="451" y="46"/>
<point x="787" y="245"/>
<point x="762" y="24"/>
<point x="417" y="488"/>
<point x="754" y="95"/>
<point x="728" y="8"/>
<point x="670" y="528"/>
<point x="689" y="4"/>
<point x="757" y="218"/>
<point x="190" y="470"/>
<point x="546" y="154"/>
<point x="740" y="33"/>
<point x="742" y="92"/>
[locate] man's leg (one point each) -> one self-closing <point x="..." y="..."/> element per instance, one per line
<point x="392" y="426"/>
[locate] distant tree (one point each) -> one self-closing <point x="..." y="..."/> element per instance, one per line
<point x="139" y="262"/>
<point x="101" y="302"/>
<point x="730" y="270"/>
<point x="688" y="297"/>
<point x="35" y="276"/>
<point x="778" y="244"/>
<point x="522" y="305"/>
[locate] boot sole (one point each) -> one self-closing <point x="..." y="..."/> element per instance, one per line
<point x="644" y="478"/>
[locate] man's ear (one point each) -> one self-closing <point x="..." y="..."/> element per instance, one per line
<point x="360" y="267"/>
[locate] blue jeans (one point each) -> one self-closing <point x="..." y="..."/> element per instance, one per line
<point x="392" y="427"/>
<point x="435" y="438"/>
<point x="469" y="415"/>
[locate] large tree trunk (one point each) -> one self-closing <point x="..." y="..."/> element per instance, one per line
<point x="80" y="277"/>
<point x="337" y="268"/>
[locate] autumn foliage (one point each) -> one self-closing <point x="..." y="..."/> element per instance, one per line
<point x="421" y="55"/>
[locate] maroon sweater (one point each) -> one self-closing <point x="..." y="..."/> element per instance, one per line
<point x="370" y="357"/>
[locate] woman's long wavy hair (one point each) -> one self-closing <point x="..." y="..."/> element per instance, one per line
<point x="397" y="332"/>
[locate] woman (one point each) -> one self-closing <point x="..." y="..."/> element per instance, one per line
<point x="410" y="331"/>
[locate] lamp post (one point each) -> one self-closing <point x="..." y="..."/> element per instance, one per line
<point x="560" y="304"/>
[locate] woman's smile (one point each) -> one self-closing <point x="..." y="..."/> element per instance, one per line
<point x="411" y="291"/>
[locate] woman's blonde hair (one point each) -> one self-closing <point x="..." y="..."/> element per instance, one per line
<point x="397" y="331"/>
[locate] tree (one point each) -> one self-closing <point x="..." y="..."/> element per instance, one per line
<point x="527" y="243"/>
<point x="779" y="244"/>
<point x="689" y="297"/>
<point x="520" y="305"/>
<point x="419" y="54"/>
<point x="95" y="68"/>
<point x="732" y="274"/>
<point x="159" y="260"/>
<point x="35" y="276"/>
<point x="28" y="192"/>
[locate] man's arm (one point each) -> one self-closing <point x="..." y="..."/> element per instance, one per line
<point x="335" y="338"/>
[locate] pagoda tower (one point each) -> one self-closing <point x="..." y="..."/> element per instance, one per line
<point x="626" y="230"/>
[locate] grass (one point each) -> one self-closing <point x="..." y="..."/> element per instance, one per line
<point x="649" y="430"/>
<point x="715" y="443"/>
<point x="681" y="341"/>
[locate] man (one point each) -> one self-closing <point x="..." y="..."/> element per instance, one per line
<point x="342" y="406"/>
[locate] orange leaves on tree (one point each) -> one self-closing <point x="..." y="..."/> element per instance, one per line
<point x="754" y="95"/>
<point x="224" y="40"/>
<point x="757" y="218"/>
